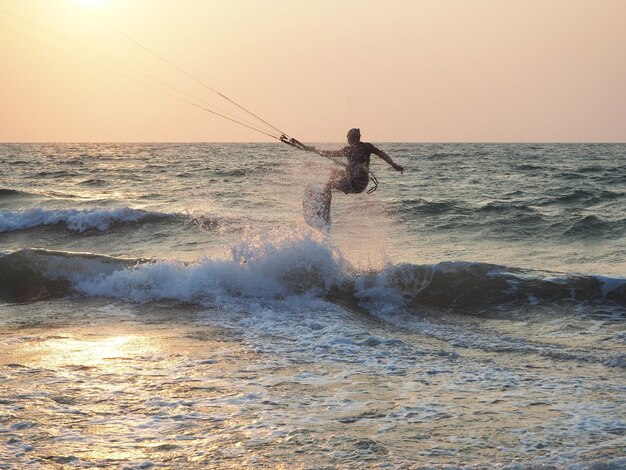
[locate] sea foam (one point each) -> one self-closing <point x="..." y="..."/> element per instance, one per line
<point x="262" y="266"/>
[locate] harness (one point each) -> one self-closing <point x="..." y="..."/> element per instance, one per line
<point x="374" y="181"/>
<point x="366" y="168"/>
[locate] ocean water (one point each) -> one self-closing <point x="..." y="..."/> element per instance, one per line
<point x="164" y="305"/>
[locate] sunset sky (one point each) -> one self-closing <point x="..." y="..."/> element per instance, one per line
<point x="401" y="70"/>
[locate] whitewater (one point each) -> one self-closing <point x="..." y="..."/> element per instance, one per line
<point x="165" y="305"/>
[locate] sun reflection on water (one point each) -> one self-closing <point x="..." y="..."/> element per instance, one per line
<point x="88" y="352"/>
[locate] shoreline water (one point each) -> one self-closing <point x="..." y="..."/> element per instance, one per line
<point x="155" y="385"/>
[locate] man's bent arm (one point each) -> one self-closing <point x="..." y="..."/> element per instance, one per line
<point x="388" y="159"/>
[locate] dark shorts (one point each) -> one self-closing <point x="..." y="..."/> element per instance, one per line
<point x="352" y="185"/>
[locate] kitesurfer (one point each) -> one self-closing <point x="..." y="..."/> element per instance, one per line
<point x="355" y="177"/>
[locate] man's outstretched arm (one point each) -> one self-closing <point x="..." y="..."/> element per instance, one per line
<point x="325" y="153"/>
<point x="388" y="159"/>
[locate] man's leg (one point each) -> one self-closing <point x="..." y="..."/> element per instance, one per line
<point x="336" y="180"/>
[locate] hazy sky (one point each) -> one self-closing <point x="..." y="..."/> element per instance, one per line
<point x="401" y="70"/>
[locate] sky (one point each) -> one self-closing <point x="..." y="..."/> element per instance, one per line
<point x="401" y="70"/>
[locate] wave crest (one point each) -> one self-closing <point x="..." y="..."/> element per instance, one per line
<point x="266" y="266"/>
<point x="76" y="220"/>
<point x="477" y="286"/>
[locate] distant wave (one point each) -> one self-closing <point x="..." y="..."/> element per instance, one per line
<point x="93" y="182"/>
<point x="76" y="220"/>
<point x="5" y="192"/>
<point x="590" y="226"/>
<point x="57" y="174"/>
<point x="424" y="207"/>
<point x="519" y="219"/>
<point x="15" y="193"/>
<point x="582" y="196"/>
<point x="476" y="212"/>
<point x="250" y="171"/>
<point x="593" y="225"/>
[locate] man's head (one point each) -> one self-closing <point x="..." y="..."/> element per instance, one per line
<point x="354" y="136"/>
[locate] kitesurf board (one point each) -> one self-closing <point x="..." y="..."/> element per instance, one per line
<point x="316" y="208"/>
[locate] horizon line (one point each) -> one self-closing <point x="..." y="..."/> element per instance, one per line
<point x="314" y="142"/>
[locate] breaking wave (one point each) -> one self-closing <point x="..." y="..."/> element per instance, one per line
<point x="274" y="267"/>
